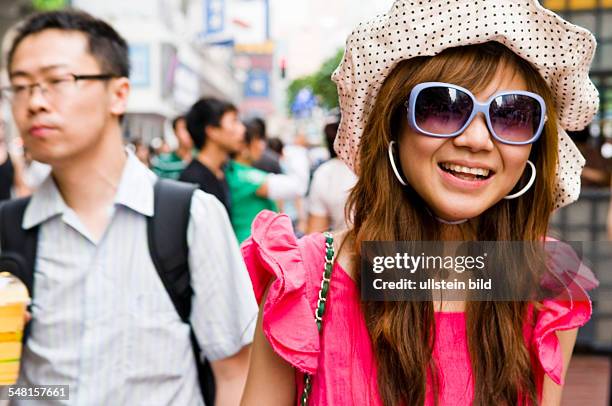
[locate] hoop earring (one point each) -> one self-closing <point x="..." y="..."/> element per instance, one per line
<point x="392" y="160"/>
<point x="527" y="186"/>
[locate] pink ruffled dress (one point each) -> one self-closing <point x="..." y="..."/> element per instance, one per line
<point x="341" y="359"/>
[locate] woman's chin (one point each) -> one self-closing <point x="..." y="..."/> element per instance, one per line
<point x="458" y="213"/>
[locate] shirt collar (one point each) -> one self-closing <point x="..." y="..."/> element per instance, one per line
<point x="46" y="202"/>
<point x="135" y="191"/>
<point x="136" y="187"/>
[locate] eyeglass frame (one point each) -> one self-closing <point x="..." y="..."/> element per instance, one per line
<point x="477" y="108"/>
<point x="44" y="86"/>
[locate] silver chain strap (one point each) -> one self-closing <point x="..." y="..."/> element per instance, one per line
<point x="321" y="303"/>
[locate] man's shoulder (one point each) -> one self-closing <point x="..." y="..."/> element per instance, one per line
<point x="195" y="172"/>
<point x="205" y="208"/>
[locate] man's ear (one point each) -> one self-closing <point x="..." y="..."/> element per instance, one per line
<point x="211" y="132"/>
<point x="120" y="91"/>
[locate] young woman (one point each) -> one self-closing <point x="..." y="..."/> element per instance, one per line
<point x="447" y="129"/>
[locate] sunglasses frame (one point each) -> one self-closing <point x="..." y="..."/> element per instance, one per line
<point x="477" y="108"/>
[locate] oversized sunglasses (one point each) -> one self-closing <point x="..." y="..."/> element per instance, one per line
<point x="446" y="110"/>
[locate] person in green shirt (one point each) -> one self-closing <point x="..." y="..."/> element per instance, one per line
<point x="253" y="190"/>
<point x="171" y="164"/>
<point x="244" y="183"/>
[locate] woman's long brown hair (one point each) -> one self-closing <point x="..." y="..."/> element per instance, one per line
<point x="402" y="333"/>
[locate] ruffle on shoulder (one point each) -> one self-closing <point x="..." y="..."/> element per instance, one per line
<point x="272" y="253"/>
<point x="571" y="309"/>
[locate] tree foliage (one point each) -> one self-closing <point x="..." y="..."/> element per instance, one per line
<point x="319" y="82"/>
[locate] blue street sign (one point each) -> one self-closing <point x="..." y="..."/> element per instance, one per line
<point x="257" y="84"/>
<point x="304" y="102"/>
<point x="214" y="16"/>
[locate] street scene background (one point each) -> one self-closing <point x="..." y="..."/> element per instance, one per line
<point x="273" y="60"/>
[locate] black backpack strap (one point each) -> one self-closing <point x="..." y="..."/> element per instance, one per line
<point x="167" y="236"/>
<point x="18" y="246"/>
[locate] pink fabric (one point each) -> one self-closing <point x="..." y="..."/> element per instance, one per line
<point x="342" y="359"/>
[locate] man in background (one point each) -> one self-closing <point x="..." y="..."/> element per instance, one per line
<point x="269" y="159"/>
<point x="170" y="165"/>
<point x="217" y="132"/>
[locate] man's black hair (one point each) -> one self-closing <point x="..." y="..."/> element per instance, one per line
<point x="276" y="145"/>
<point x="176" y="120"/>
<point x="258" y="125"/>
<point x="206" y="112"/>
<point x="330" y="131"/>
<point x="253" y="132"/>
<point x="104" y="43"/>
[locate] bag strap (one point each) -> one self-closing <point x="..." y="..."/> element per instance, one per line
<point x="169" y="251"/>
<point x="18" y="246"/>
<point x="167" y="237"/>
<point x="321" y="303"/>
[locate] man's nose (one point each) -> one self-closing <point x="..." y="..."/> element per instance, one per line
<point x="37" y="99"/>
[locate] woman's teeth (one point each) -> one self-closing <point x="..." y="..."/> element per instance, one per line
<point x="465" y="173"/>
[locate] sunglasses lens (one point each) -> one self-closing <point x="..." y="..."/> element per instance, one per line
<point x="442" y="110"/>
<point x="515" y="118"/>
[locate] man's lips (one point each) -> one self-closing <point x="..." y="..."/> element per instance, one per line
<point x="41" y="130"/>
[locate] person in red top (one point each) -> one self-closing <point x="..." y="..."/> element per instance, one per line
<point x="454" y="117"/>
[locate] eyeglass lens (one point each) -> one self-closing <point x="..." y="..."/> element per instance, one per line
<point x="442" y="110"/>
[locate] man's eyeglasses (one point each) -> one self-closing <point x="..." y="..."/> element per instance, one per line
<point x="53" y="88"/>
<point x="445" y="110"/>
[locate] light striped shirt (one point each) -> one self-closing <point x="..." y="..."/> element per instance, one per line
<point x="102" y="321"/>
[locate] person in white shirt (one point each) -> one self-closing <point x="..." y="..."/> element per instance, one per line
<point x="329" y="189"/>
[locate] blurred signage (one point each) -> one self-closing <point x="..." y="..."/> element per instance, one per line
<point x="257" y="84"/>
<point x="186" y="87"/>
<point x="140" y="65"/>
<point x="214" y="16"/>
<point x="249" y="21"/>
<point x="48" y="5"/>
<point x="168" y="69"/>
<point x="305" y="101"/>
<point x="263" y="48"/>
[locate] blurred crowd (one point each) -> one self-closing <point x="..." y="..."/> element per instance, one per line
<point x="236" y="161"/>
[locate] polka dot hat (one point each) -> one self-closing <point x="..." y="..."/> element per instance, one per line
<point x="560" y="51"/>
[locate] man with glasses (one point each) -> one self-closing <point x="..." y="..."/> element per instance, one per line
<point x="102" y="321"/>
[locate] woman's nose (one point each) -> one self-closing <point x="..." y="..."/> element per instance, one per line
<point x="476" y="137"/>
